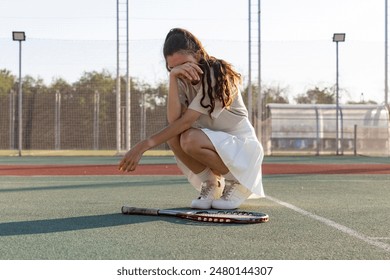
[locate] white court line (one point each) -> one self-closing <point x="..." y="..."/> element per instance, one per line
<point x="335" y="225"/>
<point x="380" y="238"/>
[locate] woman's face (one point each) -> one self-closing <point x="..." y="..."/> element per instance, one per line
<point x="179" y="58"/>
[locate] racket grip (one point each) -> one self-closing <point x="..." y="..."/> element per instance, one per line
<point x="127" y="210"/>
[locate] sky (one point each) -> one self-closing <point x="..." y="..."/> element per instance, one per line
<point x="66" y="38"/>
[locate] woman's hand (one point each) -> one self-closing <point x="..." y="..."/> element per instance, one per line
<point x="189" y="70"/>
<point x="132" y="158"/>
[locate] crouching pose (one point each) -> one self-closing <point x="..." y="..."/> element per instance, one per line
<point x="209" y="131"/>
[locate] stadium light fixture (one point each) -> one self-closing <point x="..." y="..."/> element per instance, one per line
<point x="20" y="36"/>
<point x="337" y="37"/>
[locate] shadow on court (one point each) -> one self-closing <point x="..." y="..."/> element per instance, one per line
<point x="92" y="222"/>
<point x="70" y="224"/>
<point x="94" y="185"/>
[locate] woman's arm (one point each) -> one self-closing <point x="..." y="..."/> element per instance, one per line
<point x="133" y="156"/>
<point x="188" y="71"/>
<point x="174" y="107"/>
<point x="177" y="122"/>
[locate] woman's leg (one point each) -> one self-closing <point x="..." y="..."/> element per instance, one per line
<point x="195" y="166"/>
<point x="197" y="146"/>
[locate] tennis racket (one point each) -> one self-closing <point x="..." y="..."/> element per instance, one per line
<point x="212" y="216"/>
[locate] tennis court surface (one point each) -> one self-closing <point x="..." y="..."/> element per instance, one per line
<point x="334" y="208"/>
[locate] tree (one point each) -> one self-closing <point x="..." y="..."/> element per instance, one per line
<point x="33" y="85"/>
<point x="275" y="94"/>
<point x="91" y="81"/>
<point x="316" y="96"/>
<point x="7" y="81"/>
<point x="270" y="94"/>
<point x="61" y="86"/>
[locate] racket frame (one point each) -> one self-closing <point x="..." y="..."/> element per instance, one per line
<point x="202" y="215"/>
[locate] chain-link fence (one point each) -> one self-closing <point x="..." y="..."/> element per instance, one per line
<point x="82" y="120"/>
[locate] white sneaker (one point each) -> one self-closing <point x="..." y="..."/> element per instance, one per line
<point x="209" y="192"/>
<point x="234" y="194"/>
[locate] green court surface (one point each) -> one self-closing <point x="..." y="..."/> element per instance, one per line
<point x="342" y="217"/>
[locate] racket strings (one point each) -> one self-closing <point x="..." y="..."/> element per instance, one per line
<point x="228" y="214"/>
<point x="227" y="217"/>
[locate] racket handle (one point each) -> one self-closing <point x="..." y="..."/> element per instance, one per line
<point x="127" y="210"/>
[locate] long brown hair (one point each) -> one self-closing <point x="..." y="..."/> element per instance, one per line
<point x="226" y="78"/>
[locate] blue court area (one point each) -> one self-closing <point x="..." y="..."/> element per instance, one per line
<point x="78" y="217"/>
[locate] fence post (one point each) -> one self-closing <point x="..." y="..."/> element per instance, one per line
<point x="317" y="131"/>
<point x="355" y="140"/>
<point x="57" y="121"/>
<point x="11" y="120"/>
<point x="96" y="113"/>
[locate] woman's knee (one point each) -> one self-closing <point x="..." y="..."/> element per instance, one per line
<point x="188" y="140"/>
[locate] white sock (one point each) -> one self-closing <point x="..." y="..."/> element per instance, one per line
<point x="207" y="175"/>
<point x="229" y="176"/>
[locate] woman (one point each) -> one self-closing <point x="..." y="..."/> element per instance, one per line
<point x="209" y="132"/>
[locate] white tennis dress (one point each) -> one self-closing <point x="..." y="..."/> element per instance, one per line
<point x="232" y="135"/>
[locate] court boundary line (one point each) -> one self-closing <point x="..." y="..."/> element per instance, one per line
<point x="380" y="238"/>
<point x="342" y="228"/>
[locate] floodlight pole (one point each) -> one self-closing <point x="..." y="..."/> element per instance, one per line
<point x="128" y="95"/>
<point x="337" y="98"/>
<point x="250" y="61"/>
<point x="386" y="56"/>
<point x="20" y="36"/>
<point x="259" y="95"/>
<point x="20" y="99"/>
<point x="255" y="119"/>
<point x="118" y="83"/>
<point x="337" y="37"/>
